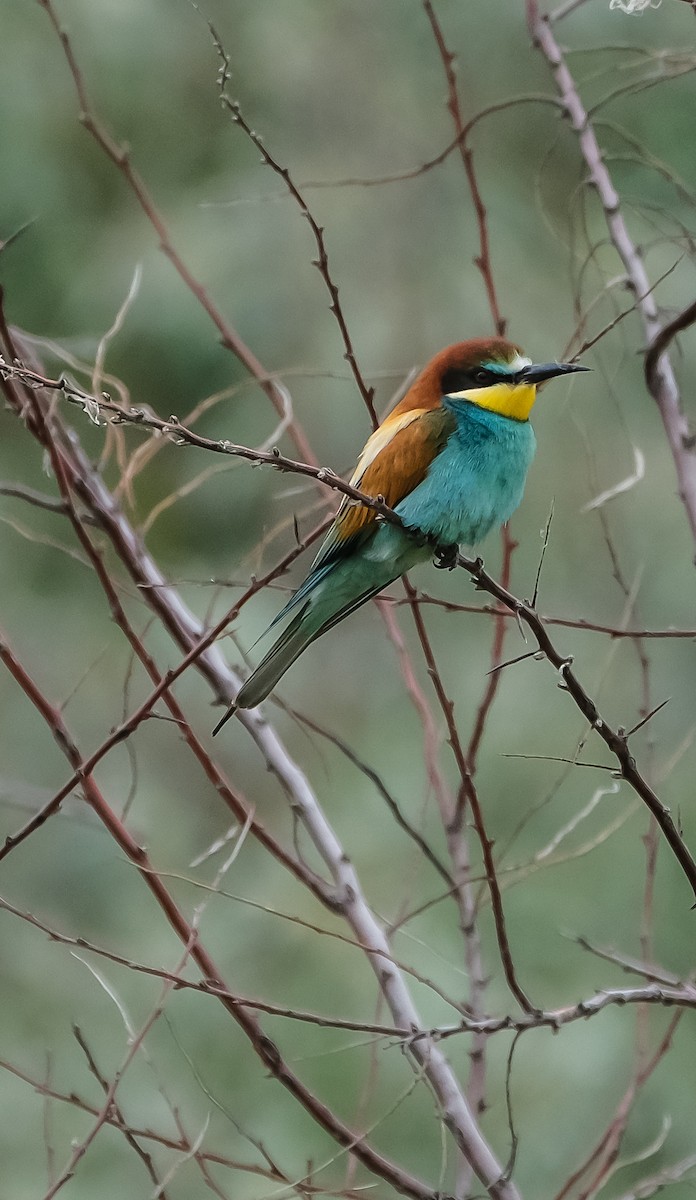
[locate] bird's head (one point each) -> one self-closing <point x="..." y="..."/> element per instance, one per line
<point x="489" y="372"/>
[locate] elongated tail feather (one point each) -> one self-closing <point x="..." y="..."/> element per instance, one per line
<point x="300" y="633"/>
<point x="281" y="655"/>
<point x="329" y="595"/>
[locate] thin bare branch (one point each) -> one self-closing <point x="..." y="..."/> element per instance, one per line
<point x="483" y="259"/>
<point x="322" y="262"/>
<point x="662" y="383"/>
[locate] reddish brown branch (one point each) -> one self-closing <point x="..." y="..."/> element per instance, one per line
<point x="483" y="259"/>
<point x="605" y="1153"/>
<point x="455" y="829"/>
<point x="494" y="677"/>
<point x="266" y="1049"/>
<point x="468" y="795"/>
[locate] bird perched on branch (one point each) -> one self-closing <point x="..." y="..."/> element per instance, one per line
<point x="451" y="459"/>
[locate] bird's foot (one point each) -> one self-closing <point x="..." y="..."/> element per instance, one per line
<point x="446" y="557"/>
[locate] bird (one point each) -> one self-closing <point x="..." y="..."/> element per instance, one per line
<point x="451" y="460"/>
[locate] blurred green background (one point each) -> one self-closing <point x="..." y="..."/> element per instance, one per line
<point x="341" y="90"/>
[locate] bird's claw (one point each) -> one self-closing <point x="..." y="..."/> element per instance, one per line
<point x="446" y="557"/>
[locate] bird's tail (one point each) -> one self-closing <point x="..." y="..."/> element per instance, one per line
<point x="352" y="582"/>
<point x="302" y="630"/>
<point x="281" y="655"/>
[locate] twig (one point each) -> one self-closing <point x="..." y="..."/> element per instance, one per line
<point x="181" y="1145"/>
<point x="468" y="795"/>
<point x="393" y="806"/>
<point x="322" y="262"/>
<point x="39" y="500"/>
<point x="657" y="1182"/>
<point x="114" y="1110"/>
<point x="612" y="631"/>
<point x="483" y="259"/>
<point x="607" y="1149"/>
<point x="615" y="739"/>
<point x="564" y="10"/>
<point x="430" y="164"/>
<point x="660" y="344"/>
<point x="499" y="630"/>
<point x="462" y="891"/>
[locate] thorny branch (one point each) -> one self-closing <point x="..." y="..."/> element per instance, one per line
<point x="233" y="107"/>
<point x="666" y="993"/>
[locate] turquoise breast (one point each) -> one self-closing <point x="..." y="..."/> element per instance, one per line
<point x="476" y="481"/>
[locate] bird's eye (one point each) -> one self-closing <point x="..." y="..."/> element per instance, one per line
<point x="481" y="376"/>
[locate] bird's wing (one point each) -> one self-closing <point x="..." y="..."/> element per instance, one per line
<point x="395" y="460"/>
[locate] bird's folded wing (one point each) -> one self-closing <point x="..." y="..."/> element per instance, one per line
<point x="395" y="460"/>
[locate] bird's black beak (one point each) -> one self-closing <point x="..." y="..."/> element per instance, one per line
<point x="539" y="372"/>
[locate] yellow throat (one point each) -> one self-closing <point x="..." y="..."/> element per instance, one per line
<point x="514" y="400"/>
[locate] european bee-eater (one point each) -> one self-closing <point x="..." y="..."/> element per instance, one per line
<point x="451" y="459"/>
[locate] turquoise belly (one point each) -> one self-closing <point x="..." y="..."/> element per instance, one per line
<point x="477" y="480"/>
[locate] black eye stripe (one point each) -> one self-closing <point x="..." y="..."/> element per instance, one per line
<point x="457" y="379"/>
